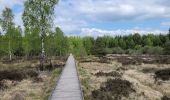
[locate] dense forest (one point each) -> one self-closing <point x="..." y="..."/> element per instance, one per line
<point x="15" y="42"/>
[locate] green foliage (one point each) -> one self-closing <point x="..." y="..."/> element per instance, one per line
<point x="32" y="43"/>
<point x="118" y="50"/>
<point x="37" y="16"/>
<point x="130" y="44"/>
<point x="7" y="20"/>
<point x="61" y="42"/>
<point x="167" y="48"/>
<point x="56" y="43"/>
<point x="88" y="43"/>
<point x="8" y="27"/>
<point x="152" y="50"/>
<point x="76" y="46"/>
<point x="108" y="50"/>
<point x="122" y="43"/>
<point x="16" y="42"/>
<point x="137" y="38"/>
<point x="147" y="42"/>
<point x="99" y="47"/>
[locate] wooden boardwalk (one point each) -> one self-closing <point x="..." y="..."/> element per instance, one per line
<point x="68" y="86"/>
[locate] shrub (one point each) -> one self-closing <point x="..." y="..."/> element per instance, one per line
<point x="113" y="88"/>
<point x="113" y="73"/>
<point x="108" y="50"/>
<point x="17" y="75"/>
<point x="118" y="50"/>
<point x="163" y="74"/>
<point x="152" y="50"/>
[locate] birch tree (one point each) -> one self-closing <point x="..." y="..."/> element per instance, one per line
<point x="39" y="14"/>
<point x="7" y="26"/>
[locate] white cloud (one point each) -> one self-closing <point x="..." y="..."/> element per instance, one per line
<point x="69" y="25"/>
<point x="119" y="32"/>
<point x="165" y="23"/>
<point x="81" y="12"/>
<point x="111" y="10"/>
<point x="75" y="16"/>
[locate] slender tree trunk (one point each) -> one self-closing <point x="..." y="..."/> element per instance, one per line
<point x="42" y="55"/>
<point x="9" y="48"/>
<point x="43" y="50"/>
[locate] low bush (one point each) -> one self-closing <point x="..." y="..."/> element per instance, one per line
<point x="118" y="50"/>
<point x="18" y="75"/>
<point x="113" y="89"/>
<point x="113" y="73"/>
<point x="148" y="70"/>
<point x="165" y="98"/>
<point x="2" y="85"/>
<point x="163" y="74"/>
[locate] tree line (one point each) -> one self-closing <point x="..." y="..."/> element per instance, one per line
<point x="38" y="39"/>
<point x="134" y="44"/>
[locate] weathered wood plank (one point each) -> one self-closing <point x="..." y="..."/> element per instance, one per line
<point x="68" y="86"/>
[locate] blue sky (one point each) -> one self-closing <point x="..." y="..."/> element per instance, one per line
<point x="104" y="17"/>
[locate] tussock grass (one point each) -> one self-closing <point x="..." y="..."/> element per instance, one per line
<point x="16" y="66"/>
<point x="29" y="89"/>
<point x="85" y="82"/>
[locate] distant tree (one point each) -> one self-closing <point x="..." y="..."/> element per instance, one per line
<point x="156" y="41"/>
<point x="167" y="47"/>
<point x="32" y="43"/>
<point x="27" y="44"/>
<point x="162" y="40"/>
<point x="130" y="44"/>
<point x="88" y="43"/>
<point x="169" y="34"/>
<point x="7" y="26"/>
<point x="137" y="38"/>
<point x="106" y="40"/>
<point x="76" y="46"/>
<point x="118" y="50"/>
<point x="61" y="42"/>
<point x="147" y="42"/>
<point x="122" y="43"/>
<point x="112" y="43"/>
<point x="17" y="47"/>
<point x="99" y="47"/>
<point x="50" y="45"/>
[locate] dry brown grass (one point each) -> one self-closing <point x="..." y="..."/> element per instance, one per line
<point x="141" y="76"/>
<point x="30" y="89"/>
<point x="13" y="66"/>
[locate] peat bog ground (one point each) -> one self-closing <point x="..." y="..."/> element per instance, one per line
<point x="21" y="79"/>
<point x="125" y="77"/>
